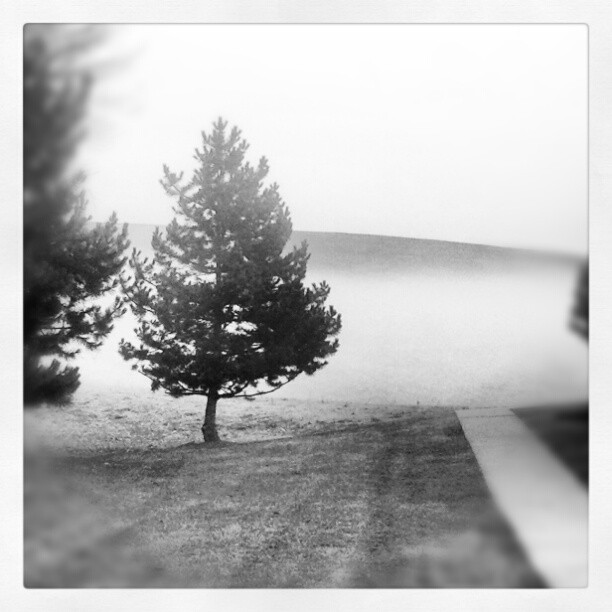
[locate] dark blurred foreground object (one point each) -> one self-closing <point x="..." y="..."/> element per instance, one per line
<point x="67" y="260"/>
<point x="565" y="431"/>
<point x="73" y="536"/>
<point x="580" y="312"/>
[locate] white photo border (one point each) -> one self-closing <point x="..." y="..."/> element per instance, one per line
<point x="594" y="14"/>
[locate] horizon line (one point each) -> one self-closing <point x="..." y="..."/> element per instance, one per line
<point x="544" y="251"/>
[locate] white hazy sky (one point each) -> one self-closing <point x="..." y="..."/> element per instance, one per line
<point x="464" y="133"/>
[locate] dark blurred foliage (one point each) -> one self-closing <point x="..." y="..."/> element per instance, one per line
<point x="68" y="261"/>
<point x="580" y="311"/>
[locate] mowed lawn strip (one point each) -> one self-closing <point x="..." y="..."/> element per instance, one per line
<point x="391" y="504"/>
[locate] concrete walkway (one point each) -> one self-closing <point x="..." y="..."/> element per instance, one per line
<point x="543" y="502"/>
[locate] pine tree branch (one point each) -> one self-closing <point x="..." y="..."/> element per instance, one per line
<point x="247" y="396"/>
<point x="140" y="306"/>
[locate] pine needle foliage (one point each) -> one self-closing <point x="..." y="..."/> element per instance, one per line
<point x="222" y="306"/>
<point x="68" y="261"/>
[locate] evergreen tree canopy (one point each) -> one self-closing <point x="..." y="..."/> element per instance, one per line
<point x="67" y="262"/>
<point x="223" y="311"/>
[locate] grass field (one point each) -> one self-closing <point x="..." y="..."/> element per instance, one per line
<point x="354" y="477"/>
<point x="325" y="495"/>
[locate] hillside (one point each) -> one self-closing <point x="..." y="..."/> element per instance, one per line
<point x="369" y="253"/>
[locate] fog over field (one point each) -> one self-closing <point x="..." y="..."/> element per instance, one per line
<point x="423" y="321"/>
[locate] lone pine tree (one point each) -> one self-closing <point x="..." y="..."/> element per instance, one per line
<point x="223" y="311"/>
<point x="67" y="262"/>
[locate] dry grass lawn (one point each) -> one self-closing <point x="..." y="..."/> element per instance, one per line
<point x="331" y="495"/>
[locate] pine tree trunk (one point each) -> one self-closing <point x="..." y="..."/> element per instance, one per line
<point x="209" y="428"/>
